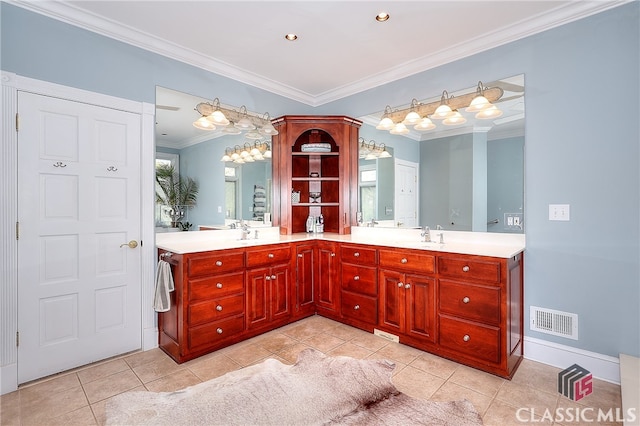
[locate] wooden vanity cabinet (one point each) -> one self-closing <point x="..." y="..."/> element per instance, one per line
<point x="407" y="293"/>
<point x="480" y="311"/>
<point x="359" y="286"/>
<point x="306" y="276"/>
<point x="327" y="279"/>
<point x="332" y="173"/>
<point x="268" y="286"/>
<point x="207" y="305"/>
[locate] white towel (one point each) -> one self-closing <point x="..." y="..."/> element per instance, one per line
<point x="164" y="285"/>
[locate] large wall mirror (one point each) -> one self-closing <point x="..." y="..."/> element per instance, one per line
<point x="464" y="177"/>
<point x="229" y="191"/>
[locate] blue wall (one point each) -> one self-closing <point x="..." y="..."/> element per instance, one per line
<point x="582" y="142"/>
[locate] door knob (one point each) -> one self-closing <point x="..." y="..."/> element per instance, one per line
<point x="131" y="244"/>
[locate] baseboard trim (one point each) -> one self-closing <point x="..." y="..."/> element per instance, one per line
<point x="150" y="338"/>
<point x="603" y="367"/>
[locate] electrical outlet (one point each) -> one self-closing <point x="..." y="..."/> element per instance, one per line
<point x="219" y="209"/>
<point x="560" y="212"/>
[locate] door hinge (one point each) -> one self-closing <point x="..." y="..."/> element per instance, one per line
<point x="17" y="122"/>
<point x="17" y="230"/>
<point x="17" y="338"/>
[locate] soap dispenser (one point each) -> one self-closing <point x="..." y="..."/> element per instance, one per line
<point x="310" y="222"/>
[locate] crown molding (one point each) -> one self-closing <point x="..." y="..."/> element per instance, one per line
<point x="561" y="15"/>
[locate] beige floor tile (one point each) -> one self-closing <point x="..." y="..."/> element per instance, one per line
<point x="98" y="408"/>
<point x="290" y="353"/>
<point x="527" y="397"/>
<point x="80" y="417"/>
<point x="42" y="409"/>
<point x="153" y="370"/>
<point x="477" y="380"/>
<point x="141" y="358"/>
<point x="435" y="365"/>
<point x="102" y="370"/>
<point x="175" y="381"/>
<point x="370" y="341"/>
<point x="351" y="350"/>
<point x="212" y="367"/>
<point x="344" y="332"/>
<point x="275" y="342"/>
<point x="398" y="352"/>
<point x="109" y="386"/>
<point x="50" y="385"/>
<point x="10" y="408"/>
<point x="323" y="342"/>
<point x="247" y="354"/>
<point x="500" y="413"/>
<point x="540" y="376"/>
<point x="417" y="383"/>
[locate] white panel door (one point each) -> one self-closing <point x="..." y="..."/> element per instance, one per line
<point x="406" y="199"/>
<point x="79" y="283"/>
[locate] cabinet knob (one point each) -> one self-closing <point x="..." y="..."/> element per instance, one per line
<point x="400" y="284"/>
<point x="219" y="330"/>
<point x="299" y="255"/>
<point x="218" y="262"/>
<point x="219" y="308"/>
<point x="219" y="285"/>
<point x="407" y="286"/>
<point x="273" y="277"/>
<point x="356" y="278"/>
<point x="356" y="307"/>
<point x="356" y="254"/>
<point x="465" y="299"/>
<point x="267" y="278"/>
<point x="403" y="260"/>
<point x="270" y="255"/>
<point x="466" y="338"/>
<point x="333" y="255"/>
<point x="465" y="268"/>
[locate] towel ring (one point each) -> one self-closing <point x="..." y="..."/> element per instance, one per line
<point x="166" y="254"/>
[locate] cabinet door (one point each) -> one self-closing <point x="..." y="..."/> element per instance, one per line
<point x="280" y="290"/>
<point x="305" y="276"/>
<point x="420" y="306"/>
<point x="258" y="281"/>
<point x="392" y="300"/>
<point x="327" y="285"/>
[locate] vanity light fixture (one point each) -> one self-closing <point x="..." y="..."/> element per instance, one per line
<point x="372" y="151"/>
<point x="420" y="115"/>
<point x="248" y="153"/>
<point x="233" y="121"/>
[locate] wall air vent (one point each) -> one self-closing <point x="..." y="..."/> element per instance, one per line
<point x="558" y="323"/>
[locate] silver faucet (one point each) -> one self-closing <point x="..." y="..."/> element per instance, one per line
<point x="245" y="231"/>
<point x="441" y="235"/>
<point x="372" y="222"/>
<point x="426" y="234"/>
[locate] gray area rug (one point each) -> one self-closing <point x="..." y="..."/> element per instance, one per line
<point x="316" y="390"/>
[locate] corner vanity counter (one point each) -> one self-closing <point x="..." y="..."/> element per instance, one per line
<point x="459" y="296"/>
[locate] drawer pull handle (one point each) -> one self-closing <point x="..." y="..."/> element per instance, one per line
<point x="403" y="260"/>
<point x="270" y="255"/>
<point x="219" y="308"/>
<point x="407" y="286"/>
<point x="466" y="299"/>
<point x="273" y="277"/>
<point x="356" y="278"/>
<point x="218" y="263"/>
<point x="356" y="254"/>
<point x="299" y="255"/>
<point x="466" y="338"/>
<point x="400" y="284"/>
<point x="356" y="307"/>
<point x="219" y="330"/>
<point x="465" y="268"/>
<point x="219" y="285"/>
<point x="333" y="255"/>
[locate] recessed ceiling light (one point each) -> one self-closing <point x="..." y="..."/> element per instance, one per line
<point x="382" y="16"/>
<point x="291" y="37"/>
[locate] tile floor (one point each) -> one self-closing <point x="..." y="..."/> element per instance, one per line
<point x="79" y="397"/>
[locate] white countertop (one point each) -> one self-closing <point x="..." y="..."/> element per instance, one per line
<point x="474" y="243"/>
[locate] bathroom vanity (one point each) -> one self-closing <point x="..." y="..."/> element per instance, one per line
<point x="462" y="300"/>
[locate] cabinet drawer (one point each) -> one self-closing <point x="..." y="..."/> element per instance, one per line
<point x="210" y="334"/>
<point x="359" y="254"/>
<point x="269" y="256"/>
<point x="359" y="307"/>
<point x="470" y="268"/>
<point x="219" y="285"/>
<point x="216" y="309"/>
<point x="469" y="338"/>
<point x="408" y="260"/>
<point x="223" y="261"/>
<point x="470" y="301"/>
<point x="360" y="279"/>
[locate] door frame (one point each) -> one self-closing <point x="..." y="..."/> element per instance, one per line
<point x="416" y="166"/>
<point x="11" y="85"/>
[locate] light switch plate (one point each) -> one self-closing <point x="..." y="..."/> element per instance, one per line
<point x="559" y="212"/>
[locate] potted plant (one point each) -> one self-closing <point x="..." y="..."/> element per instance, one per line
<point x="175" y="192"/>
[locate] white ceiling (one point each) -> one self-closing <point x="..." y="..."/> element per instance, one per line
<point x="341" y="49"/>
